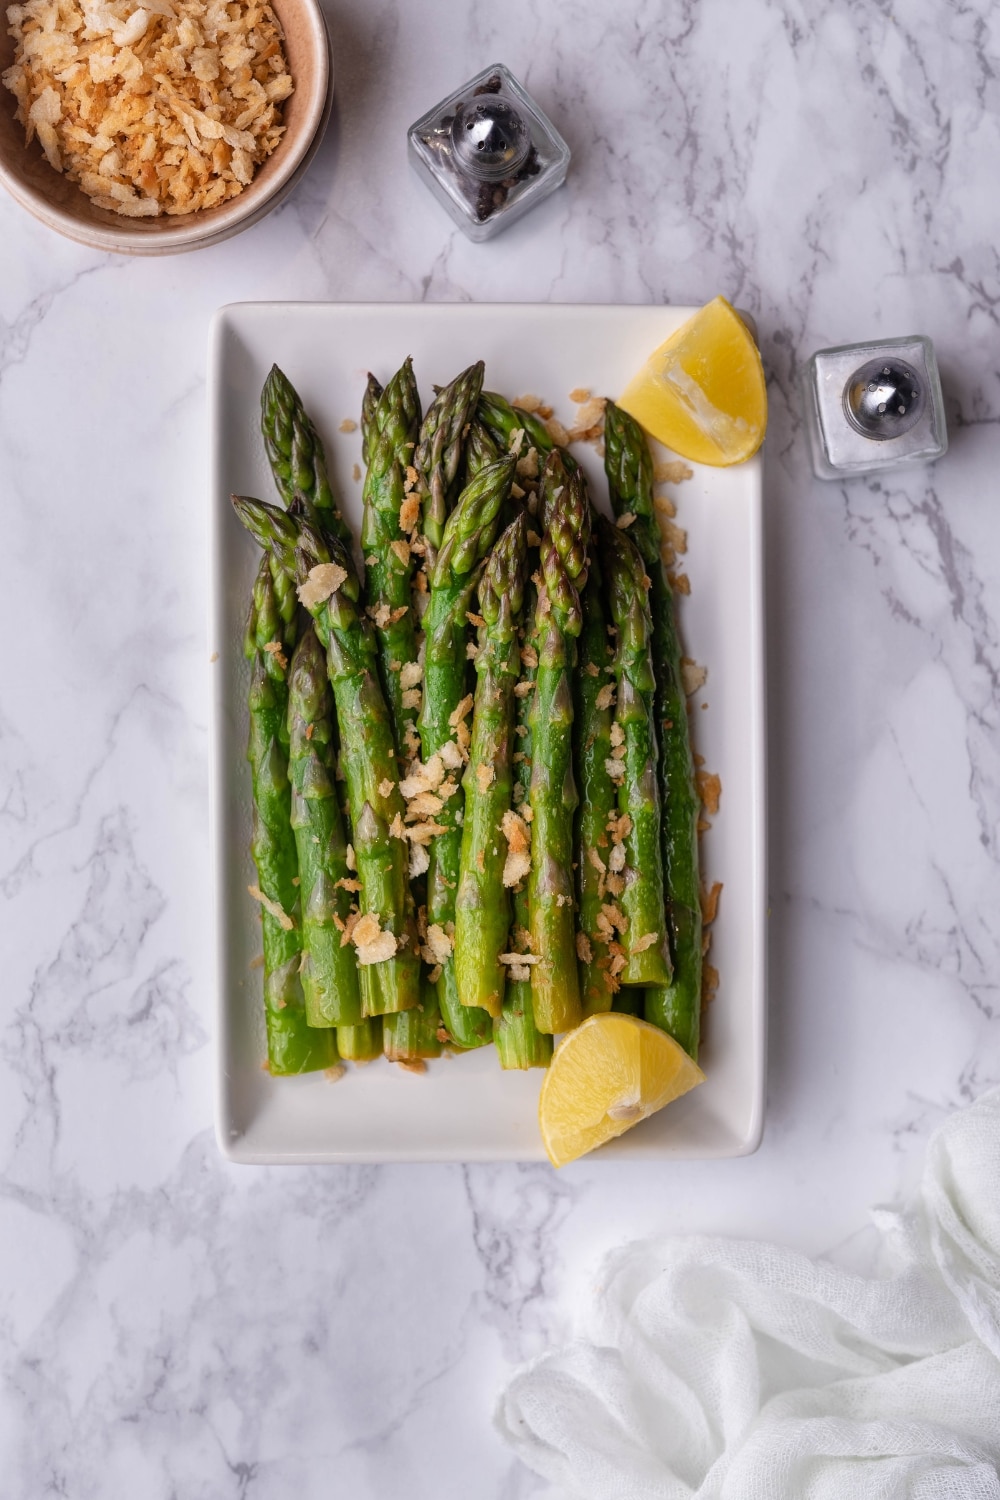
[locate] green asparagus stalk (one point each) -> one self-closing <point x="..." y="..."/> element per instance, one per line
<point x="292" y="1045"/>
<point x="644" y="940"/>
<point x="391" y="438"/>
<point x="368" y="754"/>
<point x="369" y="401"/>
<point x="593" y="715"/>
<point x="519" y="1042"/>
<point x="555" y="987"/>
<point x="439" y="451"/>
<point x="363" y="1042"/>
<point x="502" y="420"/>
<point x="677" y="1008"/>
<point x="408" y="1034"/>
<point x="295" y="452"/>
<point x="480" y="450"/>
<point x="483" y="905"/>
<point x="468" y="537"/>
<point x="329" y="970"/>
<point x="414" y="1034"/>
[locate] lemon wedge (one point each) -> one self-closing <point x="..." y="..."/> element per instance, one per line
<point x="611" y="1072"/>
<point x="702" y="393"/>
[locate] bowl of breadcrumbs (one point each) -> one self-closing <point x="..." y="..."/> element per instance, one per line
<point x="159" y="126"/>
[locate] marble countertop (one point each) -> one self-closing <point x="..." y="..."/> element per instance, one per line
<point x="171" y="1325"/>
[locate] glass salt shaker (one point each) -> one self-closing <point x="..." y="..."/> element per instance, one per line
<point x="488" y="153"/>
<point x="870" y="407"/>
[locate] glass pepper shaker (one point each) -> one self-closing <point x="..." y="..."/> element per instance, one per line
<point x="488" y="153"/>
<point x="870" y="407"/>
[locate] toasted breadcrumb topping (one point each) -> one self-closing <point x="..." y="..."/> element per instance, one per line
<point x="518" y="835"/>
<point x="710" y="904"/>
<point x="409" y="513"/>
<point x="422" y="833"/>
<point x="709" y="790"/>
<point x="275" y="908"/>
<point x="693" y="676"/>
<point x="462" y="711"/>
<point x="532" y="404"/>
<point x="323" y="580"/>
<point x="274" y="648"/>
<point x="451" y="755"/>
<point x="672" y="471"/>
<point x="439" y="945"/>
<point x="164" y="107"/>
<point x="372" y="944"/>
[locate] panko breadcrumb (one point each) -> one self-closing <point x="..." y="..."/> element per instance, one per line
<point x="164" y="107"/>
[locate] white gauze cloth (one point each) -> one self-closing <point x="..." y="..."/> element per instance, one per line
<point x="731" y="1370"/>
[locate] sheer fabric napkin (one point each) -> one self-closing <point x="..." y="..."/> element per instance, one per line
<point x="732" y="1370"/>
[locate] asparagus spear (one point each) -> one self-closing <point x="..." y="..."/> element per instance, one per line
<point x="439" y="451"/>
<point x="363" y="1042"/>
<point x="292" y="1045"/>
<point x="369" y="401"/>
<point x="519" y="1042"/>
<point x="482" y="905"/>
<point x="368" y="753"/>
<point x="593" y="715"/>
<point x="644" y="940"/>
<point x="555" y="987"/>
<point x="329" y="970"/>
<point x="676" y="1009"/>
<point x="480" y="449"/>
<point x="416" y="1033"/>
<point x="391" y="437"/>
<point x="502" y="420"/>
<point x="468" y="536"/>
<point x="295" y="452"/>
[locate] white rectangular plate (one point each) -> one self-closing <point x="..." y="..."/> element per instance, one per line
<point x="465" y="1108"/>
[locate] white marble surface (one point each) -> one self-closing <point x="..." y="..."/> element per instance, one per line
<point x="172" y="1326"/>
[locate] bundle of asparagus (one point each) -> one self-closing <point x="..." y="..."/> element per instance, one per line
<point x="448" y="865"/>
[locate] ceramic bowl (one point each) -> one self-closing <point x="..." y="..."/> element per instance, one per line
<point x="62" y="206"/>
